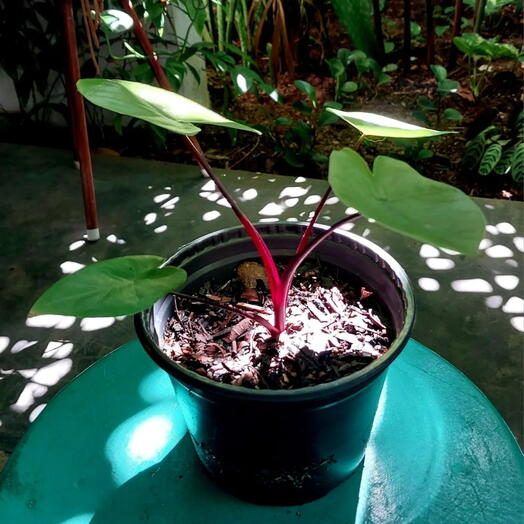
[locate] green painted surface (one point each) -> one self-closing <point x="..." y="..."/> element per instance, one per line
<point x="112" y="447"/>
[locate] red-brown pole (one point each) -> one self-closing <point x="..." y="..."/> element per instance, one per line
<point x="78" y="122"/>
<point x="160" y="75"/>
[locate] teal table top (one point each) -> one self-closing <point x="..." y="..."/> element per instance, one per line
<point x="112" y="448"/>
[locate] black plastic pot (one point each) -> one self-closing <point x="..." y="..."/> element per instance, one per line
<point x="282" y="447"/>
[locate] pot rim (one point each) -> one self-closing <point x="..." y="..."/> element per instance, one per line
<point x="350" y="382"/>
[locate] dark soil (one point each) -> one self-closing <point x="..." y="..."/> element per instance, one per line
<point x="333" y="330"/>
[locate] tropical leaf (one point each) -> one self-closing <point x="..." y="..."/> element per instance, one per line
<point x="371" y="124"/>
<point x="519" y="125"/>
<point x="439" y="71"/>
<point x="474" y="150"/>
<point x="517" y="163"/>
<point x="355" y="16"/>
<point x="504" y="164"/>
<point x="489" y="159"/>
<point x="398" y="197"/>
<point x="472" y="44"/>
<point x="308" y="90"/>
<point x="113" y="287"/>
<point x="154" y="105"/>
<point x="452" y="114"/>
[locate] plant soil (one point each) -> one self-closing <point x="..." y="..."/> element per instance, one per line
<point x="333" y="330"/>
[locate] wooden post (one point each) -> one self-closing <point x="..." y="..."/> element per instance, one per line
<point x="78" y="122"/>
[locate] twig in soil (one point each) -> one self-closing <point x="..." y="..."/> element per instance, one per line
<point x="252" y="316"/>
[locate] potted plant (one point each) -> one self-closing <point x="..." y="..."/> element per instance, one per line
<point x="282" y="415"/>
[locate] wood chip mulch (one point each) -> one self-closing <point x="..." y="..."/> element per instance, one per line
<point x="332" y="331"/>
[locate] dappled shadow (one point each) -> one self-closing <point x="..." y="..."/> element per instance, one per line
<point x="152" y="207"/>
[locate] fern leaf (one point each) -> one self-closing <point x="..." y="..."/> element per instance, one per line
<point x="489" y="159"/>
<point x="473" y="151"/>
<point x="517" y="163"/>
<point x="504" y="164"/>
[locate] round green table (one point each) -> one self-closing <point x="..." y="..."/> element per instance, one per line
<point x="112" y="448"/>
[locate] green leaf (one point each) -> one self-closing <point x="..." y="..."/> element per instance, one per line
<point x="517" y="163"/>
<point x="388" y="68"/>
<point x="344" y="55"/>
<point x="421" y="116"/>
<point x="383" y="78"/>
<point x="302" y="106"/>
<point x="336" y="67"/>
<point x="356" y="17"/>
<point x="427" y="104"/>
<point x="504" y="164"/>
<point x="472" y="44"/>
<point x="398" y="197"/>
<point x="473" y="151"/>
<point x="439" y="72"/>
<point x="349" y="87"/>
<point x="372" y="124"/>
<point x="320" y="158"/>
<point x="143" y="72"/>
<point x="452" y="114"/>
<point x="441" y="29"/>
<point x="424" y="154"/>
<point x="326" y="119"/>
<point x="115" y="22"/>
<point x="293" y="159"/>
<point x="308" y="90"/>
<point x="118" y="286"/>
<point x="489" y="159"/>
<point x="389" y="46"/>
<point x="415" y="29"/>
<point x="154" y="105"/>
<point x="448" y="86"/>
<point x="283" y="121"/>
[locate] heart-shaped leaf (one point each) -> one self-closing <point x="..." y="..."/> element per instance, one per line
<point x="398" y="197"/>
<point x="113" y="287"/>
<point x="371" y="124"/>
<point x="154" y="105"/>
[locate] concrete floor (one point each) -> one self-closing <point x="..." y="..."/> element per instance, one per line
<point x="470" y="310"/>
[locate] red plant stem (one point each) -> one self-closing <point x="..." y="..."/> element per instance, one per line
<point x="307" y="233"/>
<point x="297" y="259"/>
<point x="247" y="314"/>
<point x="267" y="259"/>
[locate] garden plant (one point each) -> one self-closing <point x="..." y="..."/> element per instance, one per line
<point x="392" y="193"/>
<point x="260" y="431"/>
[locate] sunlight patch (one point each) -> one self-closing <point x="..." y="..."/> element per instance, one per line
<point x="472" y="285"/>
<point x="150" y="218"/>
<point x="514" y="305"/>
<point x="271" y="209"/>
<point x="440" y="264"/>
<point x="499" y="251"/>
<point x="53" y="373"/>
<point x="428" y="284"/>
<point x="518" y="323"/>
<point x="69" y="267"/>
<point x="508" y="282"/>
<point x="95" y="323"/>
<point x="293" y="191"/>
<point x="76" y="245"/>
<point x="427" y="250"/>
